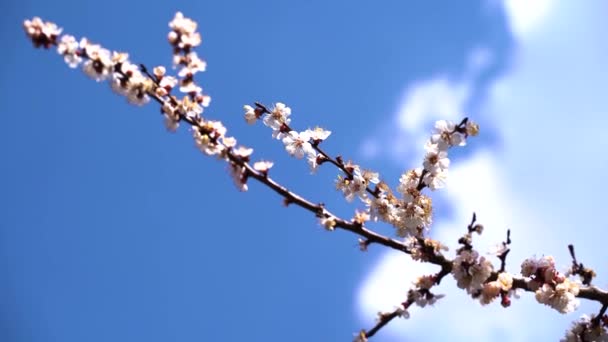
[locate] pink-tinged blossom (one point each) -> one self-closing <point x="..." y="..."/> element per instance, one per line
<point x="470" y="270"/>
<point x="489" y="292"/>
<point x="541" y="270"/>
<point x="167" y="83"/>
<point x="561" y="297"/>
<point x="297" y="144"/>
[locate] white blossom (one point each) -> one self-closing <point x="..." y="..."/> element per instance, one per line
<point x="561" y="297"/>
<point x="382" y="209"/>
<point x="171" y="117"/>
<point x="239" y="176"/>
<point x="505" y="281"/>
<point x="352" y="187"/>
<point x="371" y="177"/>
<point x="297" y="144"/>
<point x="278" y="116"/>
<point x="99" y="65"/>
<point x="329" y="222"/>
<point x="414" y="216"/>
<point x="263" y="166"/>
<point x="183" y="34"/>
<point x="182" y="24"/>
<point x="313" y="161"/>
<point x="243" y="152"/>
<point x="68" y="47"/>
<point x="250" y="115"/>
<point x="472" y="128"/>
<point x="435" y="180"/>
<point x="41" y="33"/>
<point x="167" y="83"/>
<point x="209" y="137"/>
<point x="318" y="134"/>
<point x="435" y="160"/>
<point x="192" y="65"/>
<point x="445" y="135"/>
<point x="409" y="180"/>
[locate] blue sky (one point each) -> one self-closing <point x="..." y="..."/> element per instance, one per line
<point x="114" y="229"/>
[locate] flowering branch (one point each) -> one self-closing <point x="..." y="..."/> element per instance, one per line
<point x="406" y="208"/>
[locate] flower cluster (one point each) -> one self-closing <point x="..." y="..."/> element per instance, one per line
<point x="183" y="38"/>
<point x="297" y="144"/>
<point x="407" y="209"/>
<point x="501" y="286"/>
<point x="411" y="214"/>
<point x="551" y="287"/>
<point x="137" y="85"/>
<point x="42" y="33"/>
<point x="98" y="63"/>
<point x="585" y="330"/>
<point x="446" y="135"/>
<point x="471" y="271"/>
<point x="356" y="182"/>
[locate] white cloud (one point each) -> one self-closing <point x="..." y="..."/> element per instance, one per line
<point x="434" y="98"/>
<point x="425" y="102"/>
<point x="545" y="183"/>
<point x="525" y="16"/>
